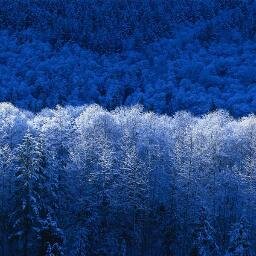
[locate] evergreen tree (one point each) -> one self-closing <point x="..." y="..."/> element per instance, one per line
<point x="239" y="243"/>
<point x="25" y="217"/>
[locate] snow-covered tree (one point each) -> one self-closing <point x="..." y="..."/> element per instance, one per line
<point x="130" y="181"/>
<point x="26" y="213"/>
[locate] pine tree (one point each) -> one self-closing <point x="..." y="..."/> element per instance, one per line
<point x="204" y="243"/>
<point x="239" y="244"/>
<point x="25" y="217"/>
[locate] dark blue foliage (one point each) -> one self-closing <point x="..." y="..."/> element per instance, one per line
<point x="167" y="55"/>
<point x="127" y="127"/>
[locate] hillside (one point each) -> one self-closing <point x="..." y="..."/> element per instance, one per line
<point x="127" y="180"/>
<point x="127" y="127"/>
<point x="196" y="63"/>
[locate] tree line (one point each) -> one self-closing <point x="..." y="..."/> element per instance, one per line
<point x="86" y="181"/>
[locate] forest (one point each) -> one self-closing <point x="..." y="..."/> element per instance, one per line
<point x="127" y="127"/>
<point x="179" y="185"/>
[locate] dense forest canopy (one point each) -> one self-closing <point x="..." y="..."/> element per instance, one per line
<point x="107" y="25"/>
<point x="127" y="127"/>
<point x="126" y="182"/>
<point x="166" y="55"/>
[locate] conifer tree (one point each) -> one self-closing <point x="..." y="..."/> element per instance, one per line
<point x="25" y="217"/>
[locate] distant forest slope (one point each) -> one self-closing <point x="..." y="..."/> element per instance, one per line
<point x="166" y="55"/>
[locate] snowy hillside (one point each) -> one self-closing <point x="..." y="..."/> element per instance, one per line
<point x="127" y="127"/>
<point x="166" y="186"/>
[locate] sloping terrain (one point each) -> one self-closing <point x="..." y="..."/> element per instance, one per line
<point x="201" y="64"/>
